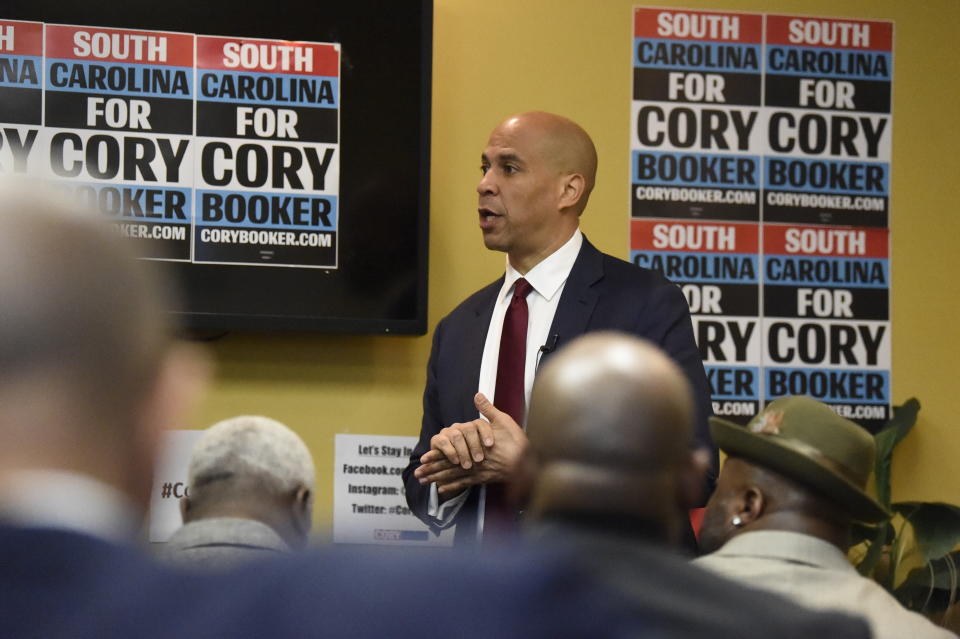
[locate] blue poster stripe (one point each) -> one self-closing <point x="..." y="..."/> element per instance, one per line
<point x="20" y="71"/>
<point x="830" y="384"/>
<point x="729" y="382"/>
<point x="718" y="268"/>
<point x="694" y="55"/>
<point x="278" y="89"/>
<point x="694" y="169"/>
<point x="134" y="202"/>
<point x="826" y="176"/>
<point x="819" y="62"/>
<point x="257" y="210"/>
<point x="136" y="80"/>
<point x="845" y="272"/>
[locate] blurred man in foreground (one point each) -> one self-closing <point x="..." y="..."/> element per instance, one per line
<point x="611" y="418"/>
<point x="89" y="377"/>
<point x="250" y="484"/>
<point x="89" y="372"/>
<point x="794" y="481"/>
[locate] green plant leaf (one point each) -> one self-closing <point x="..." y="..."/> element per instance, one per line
<point x="904" y="417"/>
<point x="936" y="526"/>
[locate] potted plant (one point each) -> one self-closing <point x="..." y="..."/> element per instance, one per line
<point x="911" y="555"/>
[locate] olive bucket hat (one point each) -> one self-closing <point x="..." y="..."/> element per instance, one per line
<point x="805" y="440"/>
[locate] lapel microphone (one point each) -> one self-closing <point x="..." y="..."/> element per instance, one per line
<point x="551" y="344"/>
<point x="547" y="348"/>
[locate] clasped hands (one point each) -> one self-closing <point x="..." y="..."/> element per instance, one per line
<point x="485" y="450"/>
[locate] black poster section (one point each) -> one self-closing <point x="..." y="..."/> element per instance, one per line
<point x="380" y="280"/>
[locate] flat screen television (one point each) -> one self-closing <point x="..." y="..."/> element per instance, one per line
<point x="273" y="157"/>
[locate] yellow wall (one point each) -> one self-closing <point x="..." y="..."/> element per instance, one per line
<point x="496" y="57"/>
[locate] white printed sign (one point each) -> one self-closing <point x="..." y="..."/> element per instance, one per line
<point x="369" y="506"/>
<point x="170" y="483"/>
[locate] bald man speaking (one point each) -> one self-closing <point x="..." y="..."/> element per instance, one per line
<point x="538" y="171"/>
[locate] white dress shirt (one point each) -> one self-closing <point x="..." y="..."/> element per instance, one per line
<point x="71" y="501"/>
<point x="547" y="279"/>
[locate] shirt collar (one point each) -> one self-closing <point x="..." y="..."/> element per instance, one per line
<point x="548" y="276"/>
<point x="227" y="530"/>
<point x="59" y="499"/>
<point x="788" y="546"/>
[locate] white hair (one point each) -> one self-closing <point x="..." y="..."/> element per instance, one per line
<point x="251" y="447"/>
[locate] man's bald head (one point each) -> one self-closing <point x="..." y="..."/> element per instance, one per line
<point x="538" y="169"/>
<point x="610" y="426"/>
<point x="560" y="142"/>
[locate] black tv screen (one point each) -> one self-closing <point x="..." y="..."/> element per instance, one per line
<point x="273" y="157"/>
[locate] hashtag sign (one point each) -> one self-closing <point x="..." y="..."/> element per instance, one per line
<point x="166" y="490"/>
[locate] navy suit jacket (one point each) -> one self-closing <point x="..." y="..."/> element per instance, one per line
<point x="601" y="293"/>
<point x="56" y="584"/>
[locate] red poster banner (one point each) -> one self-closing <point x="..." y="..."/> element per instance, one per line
<point x="99" y="44"/>
<point x="267" y="56"/>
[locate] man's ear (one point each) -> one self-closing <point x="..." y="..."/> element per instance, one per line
<point x="691" y="480"/>
<point x="520" y="487"/>
<point x="751" y="504"/>
<point x="302" y="513"/>
<point x="185" y="507"/>
<point x="573" y="187"/>
<point x="181" y="378"/>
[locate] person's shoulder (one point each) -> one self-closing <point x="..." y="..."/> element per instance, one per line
<point x="52" y="576"/>
<point x="626" y="273"/>
<point x="627" y="285"/>
<point x="476" y="302"/>
<point x="733" y="607"/>
<point x="629" y="271"/>
<point x="374" y="592"/>
<point x="670" y="595"/>
<point x="22" y="545"/>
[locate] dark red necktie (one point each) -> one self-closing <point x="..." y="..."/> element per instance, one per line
<point x="509" y="394"/>
<point x="500" y="520"/>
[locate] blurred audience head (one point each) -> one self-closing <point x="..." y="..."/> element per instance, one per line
<point x="252" y="467"/>
<point x="89" y="372"/>
<point x="610" y="428"/>
<point x="796" y="466"/>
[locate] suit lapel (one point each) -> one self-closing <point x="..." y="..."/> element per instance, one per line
<point x="476" y="337"/>
<point x="578" y="299"/>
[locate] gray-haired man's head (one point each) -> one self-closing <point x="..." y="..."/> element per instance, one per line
<point x="252" y="467"/>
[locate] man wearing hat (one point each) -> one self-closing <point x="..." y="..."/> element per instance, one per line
<point x="794" y="482"/>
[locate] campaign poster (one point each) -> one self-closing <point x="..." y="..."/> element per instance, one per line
<point x="207" y="149"/>
<point x="21" y="96"/>
<point x="268" y="135"/>
<point x="21" y="81"/>
<point x="118" y="118"/>
<point x="696" y="144"/>
<point x="789" y="292"/>
<point x="369" y="503"/>
<point x="828" y="89"/>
